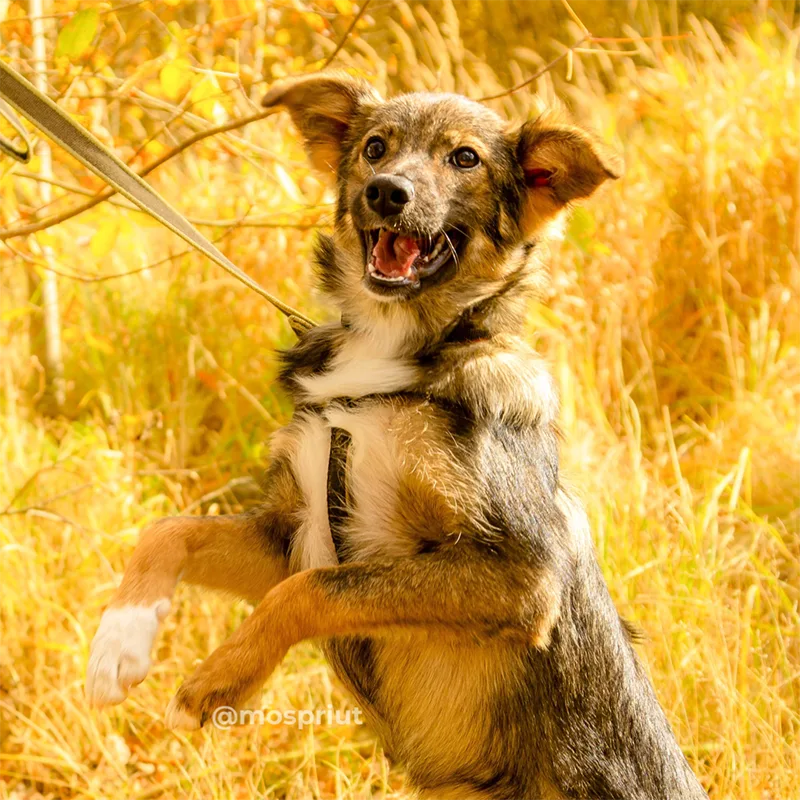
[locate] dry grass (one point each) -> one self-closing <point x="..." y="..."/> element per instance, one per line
<point x="673" y="326"/>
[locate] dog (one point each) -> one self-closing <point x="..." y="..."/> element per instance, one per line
<point x="414" y="521"/>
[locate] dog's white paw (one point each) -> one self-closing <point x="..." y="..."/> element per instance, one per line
<point x="119" y="656"/>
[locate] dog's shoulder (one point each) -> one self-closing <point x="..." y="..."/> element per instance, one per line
<point x="496" y="379"/>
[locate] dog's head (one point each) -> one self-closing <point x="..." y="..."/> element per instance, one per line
<point x="438" y="198"/>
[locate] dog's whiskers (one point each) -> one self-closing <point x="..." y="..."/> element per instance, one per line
<point x="452" y="249"/>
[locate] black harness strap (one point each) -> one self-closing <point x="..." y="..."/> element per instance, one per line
<point x="338" y="505"/>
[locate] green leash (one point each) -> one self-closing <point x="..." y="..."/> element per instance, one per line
<point x="42" y="112"/>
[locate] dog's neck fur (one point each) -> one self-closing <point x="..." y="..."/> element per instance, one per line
<point x="412" y="328"/>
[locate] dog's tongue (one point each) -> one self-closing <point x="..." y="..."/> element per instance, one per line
<point x="394" y="254"/>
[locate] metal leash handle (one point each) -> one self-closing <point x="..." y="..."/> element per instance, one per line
<point x="42" y="112"/>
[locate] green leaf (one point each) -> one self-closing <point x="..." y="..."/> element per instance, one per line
<point x="76" y="36"/>
<point x="581" y="229"/>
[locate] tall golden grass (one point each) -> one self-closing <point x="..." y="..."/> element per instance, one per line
<point x="672" y="323"/>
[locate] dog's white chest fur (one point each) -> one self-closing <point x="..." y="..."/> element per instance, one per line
<point x="367" y="364"/>
<point x="371" y="477"/>
<point x="357" y="372"/>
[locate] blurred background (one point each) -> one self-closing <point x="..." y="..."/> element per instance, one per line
<point x="137" y="379"/>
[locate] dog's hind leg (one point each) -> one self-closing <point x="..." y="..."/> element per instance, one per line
<point x="243" y="554"/>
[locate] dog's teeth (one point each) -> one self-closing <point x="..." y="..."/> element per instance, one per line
<point x="438" y="249"/>
<point x="373" y="270"/>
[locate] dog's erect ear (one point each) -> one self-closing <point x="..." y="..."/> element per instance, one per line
<point x="562" y="163"/>
<point x="323" y="106"/>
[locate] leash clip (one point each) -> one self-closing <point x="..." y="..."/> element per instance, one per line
<point x="23" y="155"/>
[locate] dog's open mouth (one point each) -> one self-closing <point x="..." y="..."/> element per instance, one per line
<point x="397" y="259"/>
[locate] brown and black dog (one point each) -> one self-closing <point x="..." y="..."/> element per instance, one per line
<point x="414" y="520"/>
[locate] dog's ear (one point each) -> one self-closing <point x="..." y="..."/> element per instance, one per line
<point x="561" y="163"/>
<point x="323" y="107"/>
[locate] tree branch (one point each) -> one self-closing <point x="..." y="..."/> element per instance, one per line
<point x="346" y="36"/>
<point x="25" y="230"/>
<point x="546" y="68"/>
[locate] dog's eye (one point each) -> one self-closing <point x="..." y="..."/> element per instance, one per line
<point x="465" y="158"/>
<point x="375" y="149"/>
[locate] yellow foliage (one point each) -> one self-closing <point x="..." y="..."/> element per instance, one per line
<point x="104" y="240"/>
<point x="176" y="77"/>
<point x="282" y="37"/>
<point x="206" y="98"/>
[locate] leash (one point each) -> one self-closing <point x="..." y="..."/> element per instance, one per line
<point x="42" y="112"/>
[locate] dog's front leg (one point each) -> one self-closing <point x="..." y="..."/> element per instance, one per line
<point x="241" y="554"/>
<point x="456" y="590"/>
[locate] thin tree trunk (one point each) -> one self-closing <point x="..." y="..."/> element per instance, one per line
<point x="53" y="359"/>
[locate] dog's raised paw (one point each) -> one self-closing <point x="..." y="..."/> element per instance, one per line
<point x="119" y="657"/>
<point x="176" y="717"/>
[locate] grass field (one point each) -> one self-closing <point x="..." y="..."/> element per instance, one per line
<point x="671" y="321"/>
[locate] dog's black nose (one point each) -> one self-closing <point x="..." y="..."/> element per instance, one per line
<point x="388" y="194"/>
